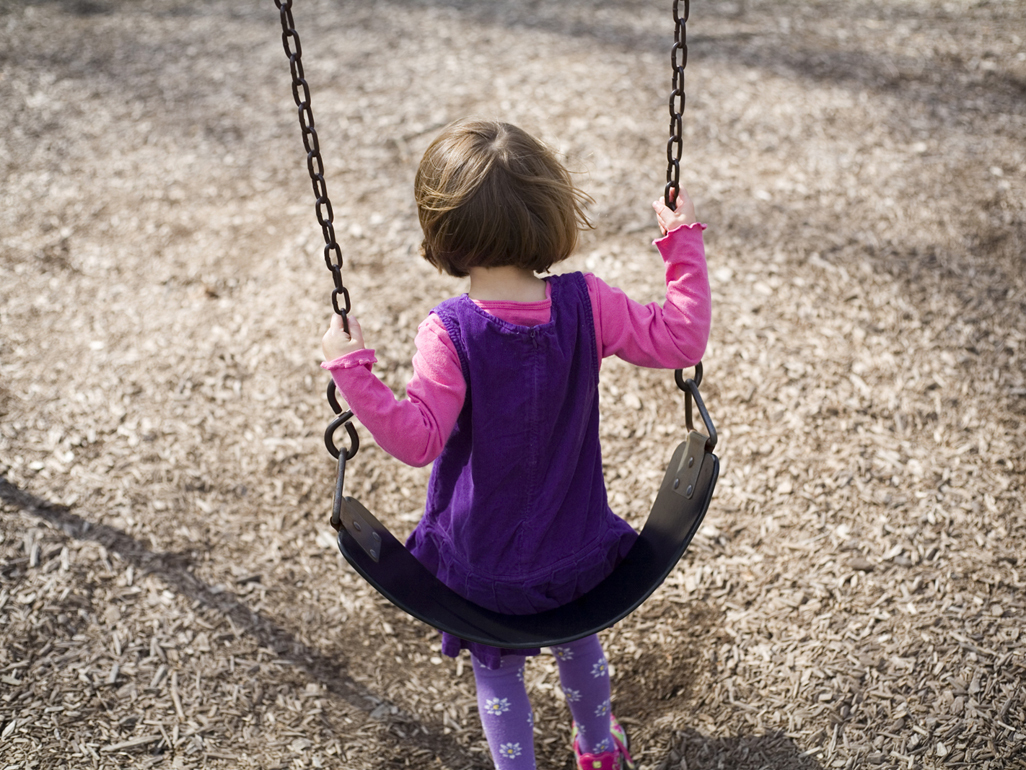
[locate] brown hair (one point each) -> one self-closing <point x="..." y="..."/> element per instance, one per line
<point x="489" y="194"/>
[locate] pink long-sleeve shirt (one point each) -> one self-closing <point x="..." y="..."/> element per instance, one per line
<point x="672" y="336"/>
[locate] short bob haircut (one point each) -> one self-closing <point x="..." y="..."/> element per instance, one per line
<point x="490" y="195"/>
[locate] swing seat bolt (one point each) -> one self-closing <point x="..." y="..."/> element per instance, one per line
<point x="690" y="489"/>
<point x="356" y="525"/>
<point x="691" y="462"/>
<point x="676" y="483"/>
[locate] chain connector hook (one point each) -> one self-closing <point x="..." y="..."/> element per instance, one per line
<point x="692" y="394"/>
<point x="343" y="420"/>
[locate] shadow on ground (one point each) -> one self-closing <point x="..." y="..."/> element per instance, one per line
<point x="773" y="751"/>
<point x="174" y="570"/>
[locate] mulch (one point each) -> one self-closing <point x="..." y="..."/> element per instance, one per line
<point x="170" y="592"/>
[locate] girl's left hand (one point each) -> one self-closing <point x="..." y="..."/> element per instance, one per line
<point x="671" y="219"/>
<point x="336" y="343"/>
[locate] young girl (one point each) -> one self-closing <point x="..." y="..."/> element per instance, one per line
<point x="504" y="400"/>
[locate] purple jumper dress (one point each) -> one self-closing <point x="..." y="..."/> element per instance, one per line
<point x="516" y="517"/>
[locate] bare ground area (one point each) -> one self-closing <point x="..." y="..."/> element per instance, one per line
<point x="170" y="594"/>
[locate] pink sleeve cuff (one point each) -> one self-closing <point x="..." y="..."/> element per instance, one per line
<point x="696" y="227"/>
<point x="352" y="360"/>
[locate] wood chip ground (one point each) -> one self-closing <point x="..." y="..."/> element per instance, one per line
<point x="170" y="594"/>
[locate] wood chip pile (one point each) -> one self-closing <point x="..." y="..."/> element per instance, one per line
<point x="170" y="592"/>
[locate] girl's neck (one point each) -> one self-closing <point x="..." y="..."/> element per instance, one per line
<point x="505" y="284"/>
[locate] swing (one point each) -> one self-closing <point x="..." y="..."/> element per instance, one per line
<point x="680" y="505"/>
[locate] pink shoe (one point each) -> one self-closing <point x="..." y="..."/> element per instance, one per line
<point x="607" y="760"/>
<point x="617" y="759"/>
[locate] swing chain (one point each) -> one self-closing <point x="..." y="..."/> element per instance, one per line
<point x="340" y="301"/>
<point x="679" y="60"/>
<point x="692" y="395"/>
<point x="314" y="163"/>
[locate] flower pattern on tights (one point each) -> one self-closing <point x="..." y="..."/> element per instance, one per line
<point x="510" y="750"/>
<point x="496" y="706"/>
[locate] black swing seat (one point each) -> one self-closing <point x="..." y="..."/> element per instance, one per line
<point x="678" y="510"/>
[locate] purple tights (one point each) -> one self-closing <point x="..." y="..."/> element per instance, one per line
<point x="506" y="711"/>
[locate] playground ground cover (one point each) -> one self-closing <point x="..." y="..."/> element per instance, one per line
<point x="170" y="592"/>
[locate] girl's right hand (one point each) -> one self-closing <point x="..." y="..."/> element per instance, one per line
<point x="670" y="219"/>
<point x="336" y="343"/>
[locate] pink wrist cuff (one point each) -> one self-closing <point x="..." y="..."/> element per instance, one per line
<point x="364" y="357"/>
<point x="695" y="226"/>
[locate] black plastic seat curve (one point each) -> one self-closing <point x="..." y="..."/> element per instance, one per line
<point x="678" y="510"/>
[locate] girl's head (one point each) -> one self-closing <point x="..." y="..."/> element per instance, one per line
<point x="489" y="195"/>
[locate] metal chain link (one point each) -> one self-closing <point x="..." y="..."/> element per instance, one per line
<point x="679" y="60"/>
<point x="325" y="218"/>
<point x="314" y="164"/>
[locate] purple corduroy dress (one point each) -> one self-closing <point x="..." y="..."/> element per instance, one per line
<point x="516" y="517"/>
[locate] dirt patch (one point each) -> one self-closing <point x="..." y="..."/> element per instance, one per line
<point x="170" y="595"/>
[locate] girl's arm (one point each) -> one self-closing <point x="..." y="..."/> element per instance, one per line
<point x="669" y="337"/>
<point x="413" y="429"/>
